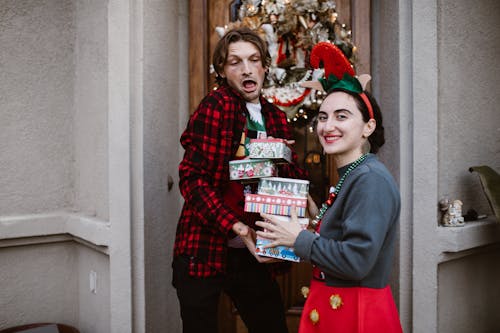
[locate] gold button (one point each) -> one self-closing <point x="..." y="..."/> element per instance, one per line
<point x="314" y="316"/>
<point x="336" y="301"/>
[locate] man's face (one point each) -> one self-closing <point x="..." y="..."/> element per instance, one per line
<point x="244" y="71"/>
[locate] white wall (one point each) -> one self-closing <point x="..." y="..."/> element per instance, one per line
<point x="38" y="284"/>
<point x="469" y="86"/>
<point x="36" y="97"/>
<point x="436" y="78"/>
<point x="94" y="92"/>
<point x="53" y="163"/>
<point x="90" y="108"/>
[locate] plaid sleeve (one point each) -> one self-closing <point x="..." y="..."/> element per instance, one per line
<point x="207" y="141"/>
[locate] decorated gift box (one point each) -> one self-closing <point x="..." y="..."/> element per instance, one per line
<point x="279" y="252"/>
<point x="284" y="187"/>
<point x="275" y="149"/>
<point x="276" y="205"/>
<point x="251" y="168"/>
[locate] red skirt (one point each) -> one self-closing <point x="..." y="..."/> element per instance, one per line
<point x="349" y="310"/>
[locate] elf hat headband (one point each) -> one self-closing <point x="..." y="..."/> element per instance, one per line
<point x="338" y="72"/>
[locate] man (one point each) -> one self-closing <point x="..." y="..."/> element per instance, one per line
<point x="214" y="249"/>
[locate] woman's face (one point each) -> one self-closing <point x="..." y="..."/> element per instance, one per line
<point x="341" y="128"/>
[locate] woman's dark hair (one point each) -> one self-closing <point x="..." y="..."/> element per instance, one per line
<point x="377" y="138"/>
<point x="244" y="34"/>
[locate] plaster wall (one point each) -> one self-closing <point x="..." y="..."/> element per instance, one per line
<point x="41" y="284"/>
<point x="468" y="135"/>
<point x="469" y="85"/>
<point x="90" y="108"/>
<point x="468" y="294"/>
<point x="53" y="159"/>
<point x="36" y="96"/>
<point x="436" y="78"/>
<point x="95" y="93"/>
<point x="93" y="306"/>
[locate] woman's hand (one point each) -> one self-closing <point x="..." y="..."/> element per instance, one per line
<point x="280" y="232"/>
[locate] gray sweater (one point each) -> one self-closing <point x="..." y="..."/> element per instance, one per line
<point x="358" y="232"/>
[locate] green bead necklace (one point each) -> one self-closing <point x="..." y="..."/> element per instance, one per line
<point x="316" y="222"/>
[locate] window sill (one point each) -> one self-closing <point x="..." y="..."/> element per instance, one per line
<point x="16" y="230"/>
<point x="472" y="235"/>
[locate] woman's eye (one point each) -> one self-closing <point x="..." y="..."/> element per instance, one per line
<point x="322" y="118"/>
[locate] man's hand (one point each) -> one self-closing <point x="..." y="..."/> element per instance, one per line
<point x="249" y="236"/>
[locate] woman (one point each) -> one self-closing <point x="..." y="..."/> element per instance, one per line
<point x="356" y="228"/>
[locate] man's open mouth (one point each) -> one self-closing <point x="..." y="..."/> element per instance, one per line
<point x="249" y="85"/>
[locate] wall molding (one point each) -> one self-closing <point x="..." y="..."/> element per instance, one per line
<point x="54" y="227"/>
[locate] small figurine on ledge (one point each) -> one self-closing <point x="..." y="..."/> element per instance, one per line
<point x="452" y="213"/>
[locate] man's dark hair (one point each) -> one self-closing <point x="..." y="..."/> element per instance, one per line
<point x="235" y="35"/>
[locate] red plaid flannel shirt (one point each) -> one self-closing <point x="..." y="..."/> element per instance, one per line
<point x="210" y="141"/>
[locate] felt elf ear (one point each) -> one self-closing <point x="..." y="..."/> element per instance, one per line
<point x="364" y="79"/>
<point x="312" y="85"/>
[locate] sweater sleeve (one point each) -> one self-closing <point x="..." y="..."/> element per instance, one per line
<point x="369" y="208"/>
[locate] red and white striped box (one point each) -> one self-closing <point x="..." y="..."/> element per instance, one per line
<point x="277" y="205"/>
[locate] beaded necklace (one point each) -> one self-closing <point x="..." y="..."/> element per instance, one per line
<point x="316" y="222"/>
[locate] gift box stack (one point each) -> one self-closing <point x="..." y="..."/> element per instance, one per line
<point x="277" y="196"/>
<point x="264" y="154"/>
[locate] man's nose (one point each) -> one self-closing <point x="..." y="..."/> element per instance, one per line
<point x="247" y="69"/>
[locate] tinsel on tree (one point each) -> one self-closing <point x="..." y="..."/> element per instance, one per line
<point x="291" y="28"/>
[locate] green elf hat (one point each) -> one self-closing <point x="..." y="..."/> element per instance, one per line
<point x="339" y="73"/>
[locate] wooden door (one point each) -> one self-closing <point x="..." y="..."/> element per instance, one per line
<point x="204" y="17"/>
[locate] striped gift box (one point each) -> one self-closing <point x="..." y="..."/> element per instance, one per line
<point x="277" y="205"/>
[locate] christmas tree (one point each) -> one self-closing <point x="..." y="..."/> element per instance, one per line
<point x="291" y="28"/>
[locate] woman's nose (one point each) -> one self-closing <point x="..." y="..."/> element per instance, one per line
<point x="330" y="125"/>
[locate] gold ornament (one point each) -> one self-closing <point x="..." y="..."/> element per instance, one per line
<point x="314" y="316"/>
<point x="336" y="301"/>
<point x="304" y="291"/>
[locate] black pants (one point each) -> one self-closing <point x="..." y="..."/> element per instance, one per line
<point x="254" y="292"/>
